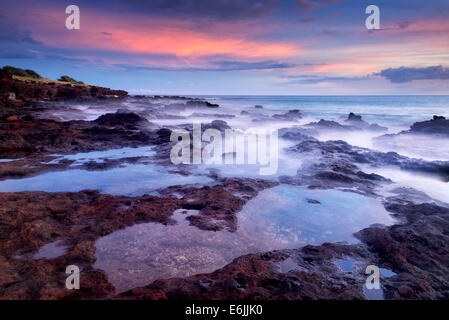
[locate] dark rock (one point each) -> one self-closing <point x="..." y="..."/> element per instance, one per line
<point x="82" y="217"/>
<point x="356" y="121"/>
<point x="31" y="92"/>
<point x="164" y="135"/>
<point x="201" y="103"/>
<point x="353" y="117"/>
<point x="343" y="151"/>
<point x="438" y="125"/>
<point x="291" y="115"/>
<point x="416" y="250"/>
<point x="329" y="125"/>
<point x="216" y="124"/>
<point x="215" y="115"/>
<point x="121" y="119"/>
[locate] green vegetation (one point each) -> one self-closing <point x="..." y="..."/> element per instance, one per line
<point x="31" y="76"/>
<point x="21" y="72"/>
<point x="69" y="79"/>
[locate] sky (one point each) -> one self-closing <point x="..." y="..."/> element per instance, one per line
<point x="236" y="47"/>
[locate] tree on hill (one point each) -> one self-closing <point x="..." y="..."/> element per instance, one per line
<point x="22" y="73"/>
<point x="69" y="79"/>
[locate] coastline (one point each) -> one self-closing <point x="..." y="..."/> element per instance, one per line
<point x="415" y="248"/>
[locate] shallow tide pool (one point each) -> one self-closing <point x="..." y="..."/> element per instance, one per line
<point x="131" y="180"/>
<point x="278" y="218"/>
<point x="101" y="156"/>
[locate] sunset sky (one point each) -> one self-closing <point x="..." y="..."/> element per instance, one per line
<point x="295" y="47"/>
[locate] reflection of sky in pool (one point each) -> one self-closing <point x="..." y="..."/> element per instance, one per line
<point x="345" y="265"/>
<point x="8" y="160"/>
<point x="100" y="156"/>
<point x="287" y="212"/>
<point x="127" y="180"/>
<point x="349" y="265"/>
<point x="51" y="250"/>
<point x="277" y="218"/>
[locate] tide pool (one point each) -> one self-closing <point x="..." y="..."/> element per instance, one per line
<point x="132" y="180"/>
<point x="278" y="218"/>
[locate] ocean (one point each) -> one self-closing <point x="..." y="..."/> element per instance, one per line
<point x="390" y="111"/>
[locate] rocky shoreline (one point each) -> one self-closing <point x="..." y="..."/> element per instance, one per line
<point x="416" y="248"/>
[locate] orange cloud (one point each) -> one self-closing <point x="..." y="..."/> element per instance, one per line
<point x="134" y="34"/>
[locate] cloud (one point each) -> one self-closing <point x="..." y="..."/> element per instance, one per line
<point x="394" y="75"/>
<point x="314" y="79"/>
<point x="305" y="6"/>
<point x="262" y="65"/>
<point x="216" y="9"/>
<point x="13" y="34"/>
<point x="406" y="74"/>
<point x="215" y="66"/>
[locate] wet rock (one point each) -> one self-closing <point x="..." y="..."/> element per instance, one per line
<point x="121" y="119"/>
<point x="438" y="125"/>
<point x="38" y="138"/>
<point x="29" y="220"/>
<point x="215" y="115"/>
<point x="163" y="135"/>
<point x="218" y="205"/>
<point x="415" y="250"/>
<point x="418" y="137"/>
<point x="353" y="117"/>
<point x="329" y="125"/>
<point x="356" y="121"/>
<point x="201" y="103"/>
<point x="13" y="118"/>
<point x="352" y="123"/>
<point x="216" y="124"/>
<point x="330" y="151"/>
<point x="291" y="115"/>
